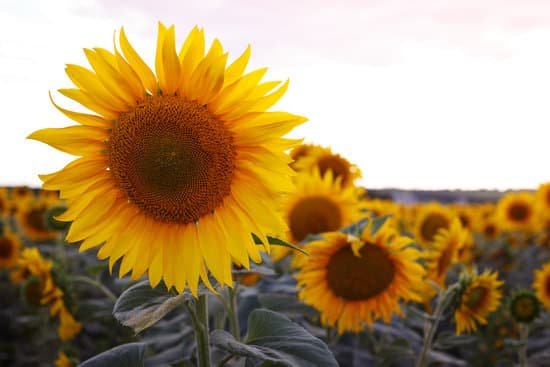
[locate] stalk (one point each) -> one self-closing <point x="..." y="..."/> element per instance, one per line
<point x="199" y="318"/>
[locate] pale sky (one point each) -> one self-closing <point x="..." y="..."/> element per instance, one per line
<point x="429" y="94"/>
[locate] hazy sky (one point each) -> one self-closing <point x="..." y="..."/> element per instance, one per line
<point x="420" y="94"/>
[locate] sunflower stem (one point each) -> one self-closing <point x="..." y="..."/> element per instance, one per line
<point x="199" y="318"/>
<point x="233" y="312"/>
<point x="523" y="337"/>
<point x="444" y="300"/>
<point x="106" y="291"/>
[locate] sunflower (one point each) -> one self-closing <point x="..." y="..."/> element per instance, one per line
<point x="303" y="150"/>
<point x="176" y="169"/>
<point x="325" y="160"/>
<point x="524" y="306"/>
<point x="31" y="216"/>
<point x="466" y="214"/>
<point x="31" y="263"/>
<point x="4" y="202"/>
<point x="353" y="282"/>
<point x="516" y="212"/>
<point x="9" y="249"/>
<point x="481" y="296"/>
<point x="19" y="193"/>
<point x="62" y="360"/>
<point x="445" y="250"/>
<point x="319" y="204"/>
<point x="431" y="218"/>
<point x="489" y="227"/>
<point x="541" y="285"/>
<point x="543" y="200"/>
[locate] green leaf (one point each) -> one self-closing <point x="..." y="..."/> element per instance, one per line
<point x="378" y="222"/>
<point x="126" y="355"/>
<point x="276" y="341"/>
<point x="141" y="306"/>
<point x="279" y="242"/>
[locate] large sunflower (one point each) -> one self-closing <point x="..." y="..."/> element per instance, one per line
<point x="431" y="218"/>
<point x="319" y="204"/>
<point x="481" y="296"/>
<point x="325" y="160"/>
<point x="445" y="250"/>
<point x="517" y="212"/>
<point x="541" y="285"/>
<point x="354" y="282"/>
<point x="176" y="169"/>
<point x="9" y="249"/>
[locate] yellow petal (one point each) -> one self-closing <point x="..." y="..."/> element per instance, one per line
<point x="237" y="67"/>
<point x="82" y="118"/>
<point x="236" y="92"/>
<point x="170" y="64"/>
<point x="159" y="64"/>
<point x="76" y="140"/>
<point x="147" y="77"/>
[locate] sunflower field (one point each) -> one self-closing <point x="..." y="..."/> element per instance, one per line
<point x="191" y="230"/>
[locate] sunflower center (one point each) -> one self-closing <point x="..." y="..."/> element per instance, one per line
<point x="173" y="159"/>
<point x="548" y="197"/>
<point x="360" y="277"/>
<point x="490" y="230"/>
<point x="6" y="248"/>
<point x="518" y="212"/>
<point x="35" y="219"/>
<point x="313" y="215"/>
<point x="338" y="166"/>
<point x="476" y="297"/>
<point x="432" y="224"/>
<point x="524" y="307"/>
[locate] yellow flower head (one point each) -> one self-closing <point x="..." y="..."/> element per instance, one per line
<point x="318" y="204"/>
<point x="325" y="160"/>
<point x="176" y="169"/>
<point x="516" y="212"/>
<point x="353" y="282"/>
<point x="62" y="360"/>
<point x="480" y="297"/>
<point x="445" y="251"/>
<point x="431" y="218"/>
<point x="541" y="285"/>
<point x="9" y="249"/>
<point x="543" y="200"/>
<point x="31" y="217"/>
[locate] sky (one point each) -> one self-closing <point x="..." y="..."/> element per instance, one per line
<point x="427" y="94"/>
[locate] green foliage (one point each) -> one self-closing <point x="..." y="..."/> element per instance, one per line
<point x="126" y="355"/>
<point x="274" y="340"/>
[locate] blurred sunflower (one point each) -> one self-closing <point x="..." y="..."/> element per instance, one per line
<point x="543" y="200"/>
<point x="303" y="150"/>
<point x="178" y="168"/>
<point x="489" y="228"/>
<point x="31" y="217"/>
<point x="319" y="204"/>
<point x="466" y="214"/>
<point x="445" y="250"/>
<point x="4" y="202"/>
<point x="62" y="360"/>
<point x="431" y="218"/>
<point x="541" y="285"/>
<point x="9" y="249"/>
<point x="353" y="282"/>
<point x="19" y="193"/>
<point x="516" y="211"/>
<point x="481" y="296"/>
<point x="325" y="160"/>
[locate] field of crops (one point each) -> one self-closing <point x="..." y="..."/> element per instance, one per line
<point x="190" y="230"/>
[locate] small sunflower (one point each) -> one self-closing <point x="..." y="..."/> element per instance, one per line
<point x="9" y="249"/>
<point x="62" y="360"/>
<point x="489" y="227"/>
<point x="445" y="251"/>
<point x="467" y="215"/>
<point x="524" y="306"/>
<point x="543" y="200"/>
<point x="318" y="204"/>
<point x="4" y="202"/>
<point x="516" y="212"/>
<point x="303" y="150"/>
<point x="325" y="160"/>
<point x="31" y="217"/>
<point x="431" y="218"/>
<point x="177" y="169"/>
<point x="541" y="285"/>
<point x="481" y="296"/>
<point x="353" y="282"/>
